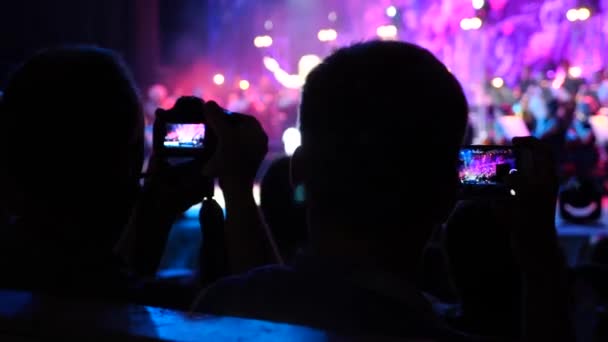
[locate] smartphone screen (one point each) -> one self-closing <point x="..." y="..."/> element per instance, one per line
<point x="486" y="166"/>
<point x="185" y="136"/>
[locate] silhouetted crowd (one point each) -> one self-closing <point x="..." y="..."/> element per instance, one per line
<point x="362" y="231"/>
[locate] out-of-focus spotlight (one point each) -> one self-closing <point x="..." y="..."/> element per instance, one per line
<point x="291" y="140"/>
<point x="327" y="35"/>
<point x="332" y="16"/>
<point x="465" y="24"/>
<point x="471" y="23"/>
<point x="475" y="23"/>
<point x="262" y="41"/>
<point x="271" y="64"/>
<point x="268" y="25"/>
<point x="497" y="82"/>
<point x="244" y="84"/>
<point x="583" y="14"/>
<point x="478" y="4"/>
<point x="306" y="63"/>
<point x="218" y="79"/>
<point x="572" y="14"/>
<point x="391" y="11"/>
<point x="578" y="14"/>
<point x="387" y="32"/>
<point x="575" y="71"/>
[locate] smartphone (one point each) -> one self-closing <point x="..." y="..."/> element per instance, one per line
<point x="188" y="136"/>
<point x="483" y="170"/>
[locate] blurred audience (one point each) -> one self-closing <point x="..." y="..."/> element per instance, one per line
<point x="351" y="212"/>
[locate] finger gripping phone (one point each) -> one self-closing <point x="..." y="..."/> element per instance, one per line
<point x="483" y="170"/>
<point x="182" y="130"/>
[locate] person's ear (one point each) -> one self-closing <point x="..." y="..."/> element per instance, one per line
<point x="296" y="169"/>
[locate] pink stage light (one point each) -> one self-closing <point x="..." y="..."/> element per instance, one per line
<point x="332" y="16"/>
<point x="268" y="25"/>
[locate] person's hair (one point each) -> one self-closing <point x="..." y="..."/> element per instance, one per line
<point x="483" y="267"/>
<point x="381" y="126"/>
<point x="283" y="215"/>
<point x="72" y="131"/>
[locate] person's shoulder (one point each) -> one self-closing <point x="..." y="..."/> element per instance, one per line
<point x="243" y="290"/>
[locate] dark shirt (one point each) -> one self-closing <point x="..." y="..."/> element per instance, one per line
<point x="36" y="262"/>
<point x="341" y="297"/>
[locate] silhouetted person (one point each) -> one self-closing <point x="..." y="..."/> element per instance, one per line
<point x="375" y="186"/>
<point x="283" y="209"/>
<point x="484" y="272"/>
<point x="72" y="145"/>
<point x="72" y="149"/>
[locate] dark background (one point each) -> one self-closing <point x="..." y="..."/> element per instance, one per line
<point x="147" y="33"/>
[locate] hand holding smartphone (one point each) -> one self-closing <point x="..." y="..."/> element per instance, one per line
<point x="182" y="131"/>
<point x="483" y="170"/>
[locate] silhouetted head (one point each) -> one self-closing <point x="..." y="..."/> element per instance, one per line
<point x="483" y="267"/>
<point x="382" y="123"/>
<point x="72" y="131"/>
<point x="283" y="215"/>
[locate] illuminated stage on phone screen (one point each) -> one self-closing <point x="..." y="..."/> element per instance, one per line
<point x="186" y="136"/>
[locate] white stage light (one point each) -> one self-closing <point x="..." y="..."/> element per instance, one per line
<point x="475" y="23"/>
<point x="572" y="14"/>
<point x="271" y="64"/>
<point x="583" y="14"/>
<point x="327" y="35"/>
<point x="575" y="71"/>
<point x="244" y="84"/>
<point x="391" y="11"/>
<point x="387" y="32"/>
<point x="497" y="82"/>
<point x="262" y="41"/>
<point x="218" y="79"/>
<point x="478" y="4"/>
<point x="291" y="140"/>
<point x="465" y="24"/>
